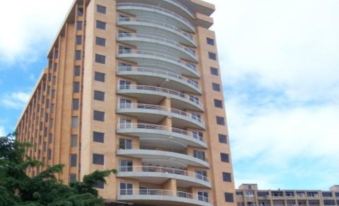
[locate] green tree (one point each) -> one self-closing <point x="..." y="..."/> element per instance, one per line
<point x="44" y="189"/>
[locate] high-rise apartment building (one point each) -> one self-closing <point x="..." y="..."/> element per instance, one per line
<point x="134" y="85"/>
<point x="250" y="195"/>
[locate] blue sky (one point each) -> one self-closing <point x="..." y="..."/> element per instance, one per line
<point x="280" y="67"/>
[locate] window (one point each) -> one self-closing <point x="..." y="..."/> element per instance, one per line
<point x="201" y="175"/>
<point x="79" y="25"/>
<point x="75" y="122"/>
<point x="224" y="157"/>
<point x="99" y="137"/>
<point x="77" y="71"/>
<point x="100" y="25"/>
<point x="229" y="197"/>
<point x="218" y="103"/>
<point x="199" y="154"/>
<point x="99" y="116"/>
<point x="73" y="160"/>
<point x="203" y="196"/>
<point x="220" y="120"/>
<point x="100" y="96"/>
<point x="99" y="185"/>
<point x="100" y="58"/>
<point x="210" y="41"/>
<point x="214" y="71"/>
<point x="74" y="140"/>
<point x="98" y="159"/>
<point x="125" y="103"/>
<point x="216" y="87"/>
<point x="126" y="165"/>
<point x="125" y="123"/>
<point x="124" y="84"/>
<point x="75" y="104"/>
<point x="226" y="176"/>
<point x="101" y="9"/>
<point x="72" y="177"/>
<point x="222" y="138"/>
<point x="77" y="55"/>
<point x="100" y="41"/>
<point x="327" y="194"/>
<point x="125" y="144"/>
<point x="126" y="189"/>
<point x="76" y="87"/>
<point x="49" y="154"/>
<point x="78" y="39"/>
<point x="80" y="11"/>
<point x="124" y="50"/>
<point x="329" y="202"/>
<point x="212" y="55"/>
<point x="198" y="135"/>
<point x="100" y="77"/>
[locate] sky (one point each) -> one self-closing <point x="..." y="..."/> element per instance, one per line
<point x="280" y="70"/>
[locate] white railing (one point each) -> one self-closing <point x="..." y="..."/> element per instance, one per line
<point x="177" y="94"/>
<point x="194" y="117"/>
<point x="166" y="170"/>
<point x="141" y="106"/>
<point x="161" y="39"/>
<point x="180" y="5"/>
<point x="159" y="127"/>
<point x="144" y="70"/>
<point x="168" y="26"/>
<point x="148" y="6"/>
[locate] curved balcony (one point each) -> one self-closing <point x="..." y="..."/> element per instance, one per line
<point x="180" y="6"/>
<point x="171" y="159"/>
<point x="147" y="93"/>
<point x="144" y="10"/>
<point x="161" y="135"/>
<point x="144" y="75"/>
<point x="161" y="197"/>
<point x="155" y="113"/>
<point x="175" y="48"/>
<point x="171" y="62"/>
<point x="162" y="174"/>
<point x="136" y="24"/>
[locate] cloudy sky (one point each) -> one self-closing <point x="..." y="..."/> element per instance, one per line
<point x="280" y="63"/>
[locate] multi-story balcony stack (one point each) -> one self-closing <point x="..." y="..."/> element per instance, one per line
<point x="135" y="85"/>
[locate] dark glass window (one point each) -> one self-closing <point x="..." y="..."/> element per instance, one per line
<point x="75" y="104"/>
<point x="100" y="41"/>
<point x="229" y="197"/>
<point x="74" y="140"/>
<point x="125" y="144"/>
<point x="73" y="160"/>
<point x="214" y="71"/>
<point x="77" y="71"/>
<point x="72" y="177"/>
<point x="216" y="87"/>
<point x="220" y="120"/>
<point x="126" y="165"/>
<point x="222" y="138"/>
<point x="100" y="58"/>
<point x="126" y="189"/>
<point x="101" y="9"/>
<point x="99" y="137"/>
<point x="199" y="154"/>
<point x="99" y="95"/>
<point x="218" y="103"/>
<point x="327" y="194"/>
<point x="212" y="55"/>
<point x="224" y="157"/>
<point x="76" y="87"/>
<point x="99" y="116"/>
<point x="329" y="202"/>
<point x="77" y="55"/>
<point x="100" y="25"/>
<point x="98" y="159"/>
<point x="210" y="41"/>
<point x="227" y="177"/>
<point x="99" y="185"/>
<point x="79" y="25"/>
<point x="78" y="39"/>
<point x="98" y="76"/>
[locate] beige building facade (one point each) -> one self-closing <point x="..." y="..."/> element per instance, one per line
<point x="250" y="195"/>
<point x="135" y="85"/>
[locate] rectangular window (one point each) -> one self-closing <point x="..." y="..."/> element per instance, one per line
<point x="74" y="140"/>
<point x="218" y="103"/>
<point x="100" y="25"/>
<point x="100" y="59"/>
<point x="49" y="154"/>
<point x="229" y="197"/>
<point x="203" y="196"/>
<point x="100" y="41"/>
<point x="125" y="144"/>
<point x="222" y="138"/>
<point x="100" y="77"/>
<point x="98" y="159"/>
<point x="78" y="39"/>
<point x="99" y="116"/>
<point x="198" y="135"/>
<point x="212" y="55"/>
<point x="199" y="154"/>
<point x="75" y="122"/>
<point x="126" y="165"/>
<point x="99" y="185"/>
<point x="99" y="95"/>
<point x="75" y="104"/>
<point x="79" y="25"/>
<point x="77" y="55"/>
<point x="214" y="71"/>
<point x="124" y="84"/>
<point x="125" y="123"/>
<point x="72" y="177"/>
<point x="125" y="103"/>
<point x="220" y="120"/>
<point x="224" y="157"/>
<point x="77" y="71"/>
<point x="216" y="87"/>
<point x="210" y="41"/>
<point x="73" y="160"/>
<point x="80" y="11"/>
<point x="99" y="137"/>
<point x="126" y="189"/>
<point x="227" y="177"/>
<point x="101" y="9"/>
<point x="201" y="175"/>
<point x="76" y="87"/>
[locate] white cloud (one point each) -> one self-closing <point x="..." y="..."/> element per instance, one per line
<point x="26" y="24"/>
<point x="2" y="131"/>
<point x="15" y="100"/>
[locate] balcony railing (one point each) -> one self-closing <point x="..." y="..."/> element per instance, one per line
<point x="167" y="170"/>
<point x="157" y="8"/>
<point x="174" y="75"/>
<point x="193" y="99"/>
<point x="180" y="5"/>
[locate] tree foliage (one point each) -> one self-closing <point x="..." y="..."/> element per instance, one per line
<point x="44" y="189"/>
